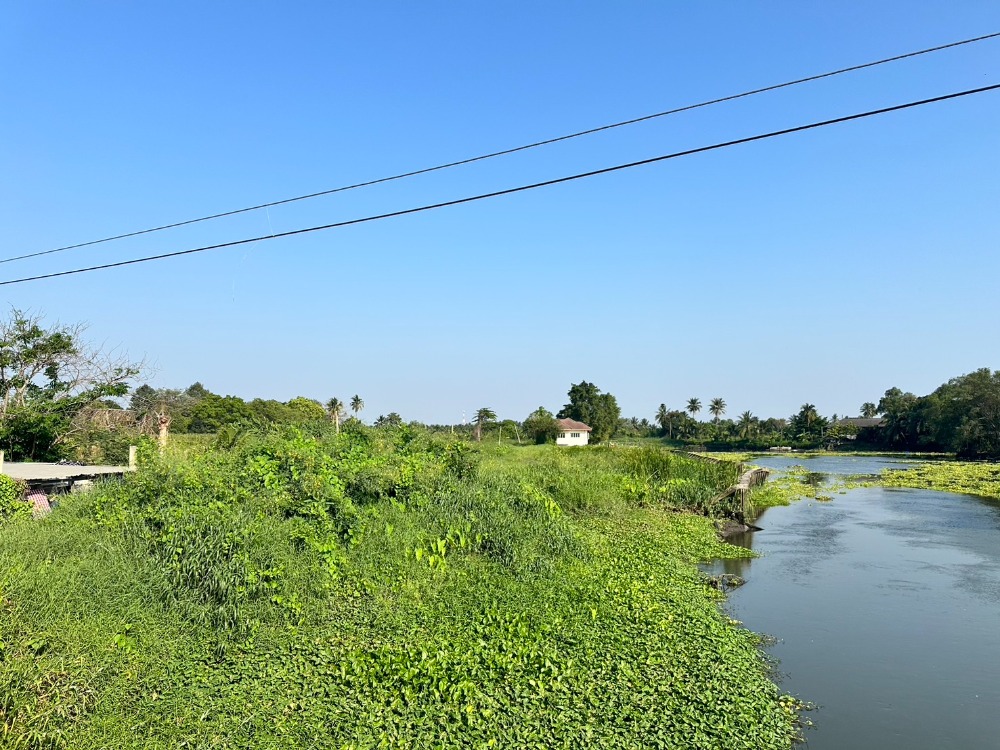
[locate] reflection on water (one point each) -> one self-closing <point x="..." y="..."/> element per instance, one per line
<point x="838" y="465"/>
<point x="886" y="605"/>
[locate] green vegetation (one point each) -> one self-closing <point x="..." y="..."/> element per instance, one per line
<point x="484" y="417"/>
<point x="12" y="502"/>
<point x="296" y="587"/>
<point x="948" y="476"/>
<point x="357" y="404"/>
<point x="51" y="385"/>
<point x="717" y="408"/>
<point x="961" y="416"/>
<point x="791" y="484"/>
<point x="60" y="400"/>
<point x="335" y="408"/>
<point x="541" y="426"/>
<point x="597" y="410"/>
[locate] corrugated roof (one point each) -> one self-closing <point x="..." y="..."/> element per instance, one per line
<point x="572" y="424"/>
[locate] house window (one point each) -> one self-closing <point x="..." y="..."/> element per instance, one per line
<point x="574" y="434"/>
<point x="562" y="434"/>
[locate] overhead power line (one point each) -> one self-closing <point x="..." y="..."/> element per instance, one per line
<point x="508" y="151"/>
<point x="510" y="191"/>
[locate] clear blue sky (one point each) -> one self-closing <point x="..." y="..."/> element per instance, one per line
<point x="822" y="267"/>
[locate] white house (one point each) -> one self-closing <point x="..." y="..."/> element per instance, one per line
<point x="572" y="432"/>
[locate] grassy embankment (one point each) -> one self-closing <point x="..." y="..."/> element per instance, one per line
<point x="380" y="589"/>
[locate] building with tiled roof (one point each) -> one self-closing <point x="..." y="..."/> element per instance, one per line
<point x="572" y="432"/>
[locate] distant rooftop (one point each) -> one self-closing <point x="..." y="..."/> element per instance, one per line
<point x="572" y="424"/>
<point x="862" y="422"/>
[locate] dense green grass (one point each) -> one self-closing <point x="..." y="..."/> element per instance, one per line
<point x="380" y="589"/>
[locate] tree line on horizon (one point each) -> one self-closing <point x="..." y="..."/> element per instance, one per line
<point x="61" y="399"/>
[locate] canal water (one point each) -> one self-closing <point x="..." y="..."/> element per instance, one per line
<point x="885" y="604"/>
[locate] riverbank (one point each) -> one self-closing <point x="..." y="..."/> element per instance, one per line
<point x="382" y="589"/>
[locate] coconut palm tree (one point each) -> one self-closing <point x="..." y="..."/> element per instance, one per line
<point x="747" y="424"/>
<point x="357" y="405"/>
<point x="693" y="407"/>
<point x="868" y="410"/>
<point x="483" y="417"/>
<point x="717" y="407"/>
<point x="335" y="408"/>
<point x="663" y="417"/>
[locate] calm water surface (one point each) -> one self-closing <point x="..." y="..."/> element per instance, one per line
<point x="886" y="607"/>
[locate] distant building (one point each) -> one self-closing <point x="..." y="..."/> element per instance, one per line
<point x="861" y="422"/>
<point x="851" y="428"/>
<point x="572" y="432"/>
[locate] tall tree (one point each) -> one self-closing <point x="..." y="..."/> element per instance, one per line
<point x="357" y="405"/>
<point x="306" y="409"/>
<point x="541" y="425"/>
<point x="599" y="411"/>
<point x="483" y="417"/>
<point x="391" y="420"/>
<point x="335" y="408"/>
<point x="670" y="420"/>
<point x="868" y="410"/>
<point x="663" y="418"/>
<point x="809" y="413"/>
<point x="747" y="425"/>
<point x="212" y="412"/>
<point x="47" y="377"/>
<point x="968" y="414"/>
<point x="693" y="407"/>
<point x="717" y="408"/>
<point x="807" y="425"/>
<point x="196" y="390"/>
<point x="898" y="409"/>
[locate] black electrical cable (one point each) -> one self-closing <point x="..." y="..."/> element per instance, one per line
<point x="509" y="191"/>
<point x="505" y="152"/>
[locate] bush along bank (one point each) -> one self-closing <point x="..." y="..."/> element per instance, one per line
<point x="381" y="589"/>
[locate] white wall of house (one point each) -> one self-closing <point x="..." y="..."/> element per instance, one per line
<point x="573" y="438"/>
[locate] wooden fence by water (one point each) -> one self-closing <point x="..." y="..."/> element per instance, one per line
<point x="739" y="493"/>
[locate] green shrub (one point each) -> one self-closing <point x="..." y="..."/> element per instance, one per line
<point x="379" y="588"/>
<point x="12" y="502"/>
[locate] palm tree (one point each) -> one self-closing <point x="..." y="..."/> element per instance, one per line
<point x="483" y="417"/>
<point x="693" y="407"/>
<point x="335" y="408"/>
<point x="393" y="420"/>
<point x="868" y="410"/>
<point x="663" y="417"/>
<point x="717" y="407"/>
<point x="746" y="424"/>
<point x="666" y="418"/>
<point x="357" y="405"/>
